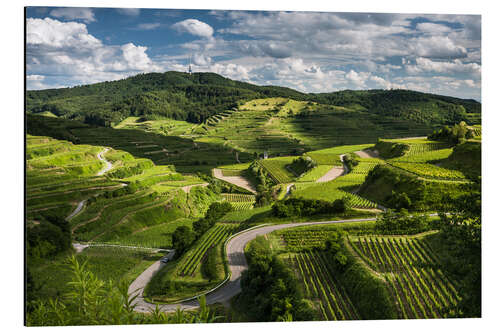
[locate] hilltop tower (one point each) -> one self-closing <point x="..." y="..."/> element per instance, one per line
<point x="190" y="70"/>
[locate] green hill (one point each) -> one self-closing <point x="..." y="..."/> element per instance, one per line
<point x="196" y="97"/>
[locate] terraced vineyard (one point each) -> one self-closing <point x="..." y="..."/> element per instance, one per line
<point x="192" y="259"/>
<point x="276" y="167"/>
<point x="240" y="201"/>
<point x="419" y="146"/>
<point x="320" y="286"/>
<point x="414" y="276"/>
<point x="429" y="170"/>
<point x="428" y="156"/>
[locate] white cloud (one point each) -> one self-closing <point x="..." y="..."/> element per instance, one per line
<point x="136" y="57"/>
<point x="74" y="13"/>
<point x="194" y="27"/>
<point x="433" y="28"/>
<point x="148" y="26"/>
<point x="55" y="34"/>
<point x="201" y="60"/>
<point x="454" y="67"/>
<point x="358" y="79"/>
<point x="67" y="52"/>
<point x="437" y="47"/>
<point x="129" y="11"/>
<point x="380" y="82"/>
<point x="35" y="82"/>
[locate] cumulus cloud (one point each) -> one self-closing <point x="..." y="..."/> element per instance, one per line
<point x="74" y="13"/>
<point x="194" y="27"/>
<point x="66" y="51"/>
<point x="200" y="59"/>
<point x="358" y="79"/>
<point x="454" y="67"/>
<point x="437" y="47"/>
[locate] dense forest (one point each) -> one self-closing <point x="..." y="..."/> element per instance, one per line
<point x="196" y="97"/>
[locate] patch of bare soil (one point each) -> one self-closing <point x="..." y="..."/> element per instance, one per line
<point x="367" y="153"/>
<point x="236" y="180"/>
<point x="331" y="174"/>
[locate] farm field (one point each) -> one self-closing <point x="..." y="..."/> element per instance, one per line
<point x="240" y="201"/>
<point x="413" y="273"/>
<point x="276" y="167"/>
<point x="319" y="285"/>
<point x="188" y="271"/>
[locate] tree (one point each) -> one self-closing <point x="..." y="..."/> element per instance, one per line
<point x="461" y="238"/>
<point x="182" y="238"/>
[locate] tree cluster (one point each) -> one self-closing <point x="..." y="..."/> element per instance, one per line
<point x="460" y="237"/>
<point x="298" y="207"/>
<point x="401" y="223"/>
<point x="269" y="289"/>
<point x="302" y="164"/>
<point x="50" y="236"/>
<point x="456" y="134"/>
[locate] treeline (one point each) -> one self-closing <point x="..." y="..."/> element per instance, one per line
<point x="404" y="104"/>
<point x="402" y="223"/>
<point x="298" y="207"/>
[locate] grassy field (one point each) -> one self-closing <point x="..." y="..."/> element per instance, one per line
<point x="107" y="263"/>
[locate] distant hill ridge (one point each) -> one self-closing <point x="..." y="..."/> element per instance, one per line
<point x="196" y="97"/>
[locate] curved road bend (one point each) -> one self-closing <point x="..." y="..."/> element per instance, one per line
<point x="235" y="250"/>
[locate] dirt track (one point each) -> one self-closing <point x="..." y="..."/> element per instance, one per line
<point x="236" y="180"/>
<point x="367" y="153"/>
<point x="331" y="174"/>
<point x="189" y="187"/>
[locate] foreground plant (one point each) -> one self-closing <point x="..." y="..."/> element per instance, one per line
<point x="91" y="301"/>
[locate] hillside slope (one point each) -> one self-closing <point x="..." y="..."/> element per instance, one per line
<point x="198" y="96"/>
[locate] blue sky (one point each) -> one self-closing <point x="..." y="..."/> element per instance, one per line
<point x="307" y="51"/>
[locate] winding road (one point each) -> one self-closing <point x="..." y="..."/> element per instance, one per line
<point x="235" y="250"/>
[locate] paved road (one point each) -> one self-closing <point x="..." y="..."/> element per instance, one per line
<point x="237" y="264"/>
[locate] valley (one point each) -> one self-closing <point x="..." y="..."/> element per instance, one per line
<point x="340" y="194"/>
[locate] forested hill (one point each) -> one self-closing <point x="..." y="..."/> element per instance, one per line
<point x="198" y="96"/>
